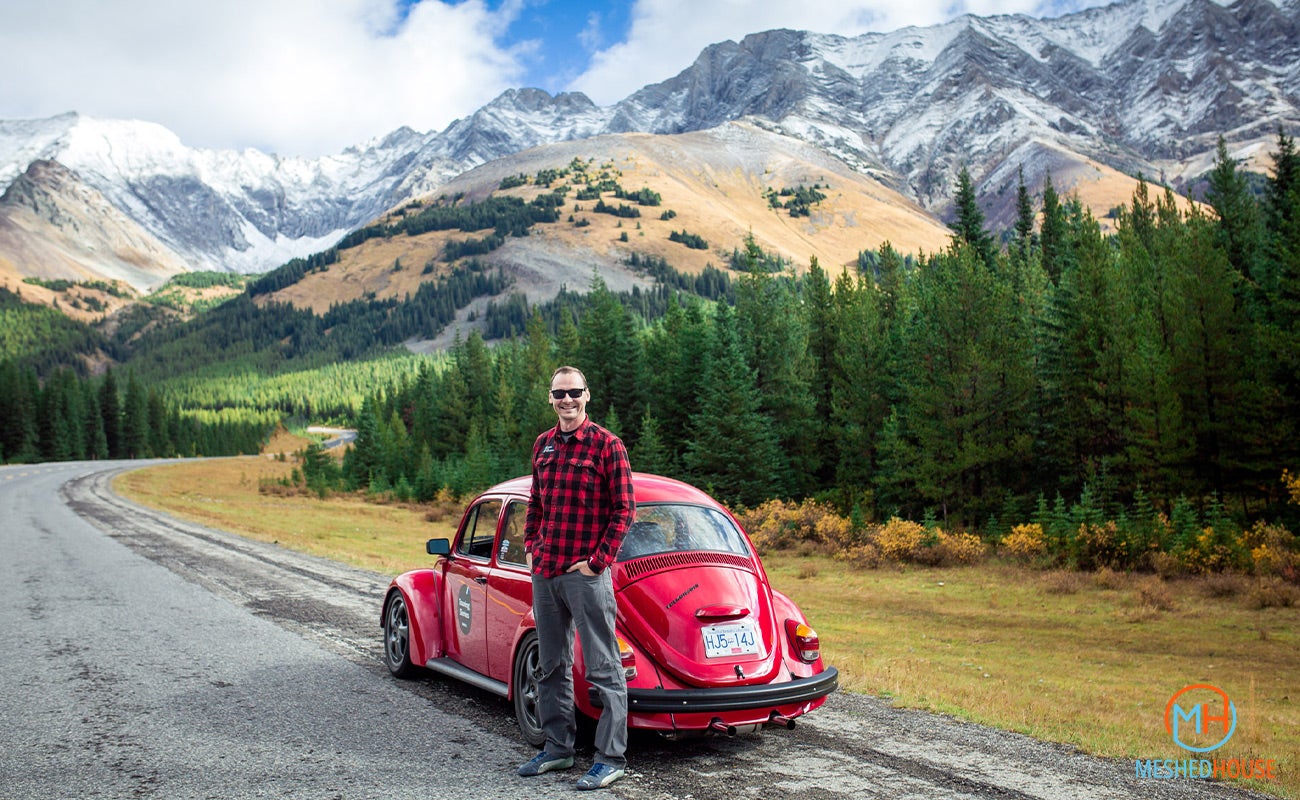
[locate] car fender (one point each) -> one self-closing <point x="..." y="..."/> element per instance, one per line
<point x="785" y="608"/>
<point x="526" y="626"/>
<point x="422" y="590"/>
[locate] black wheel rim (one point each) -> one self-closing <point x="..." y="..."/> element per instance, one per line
<point x="397" y="633"/>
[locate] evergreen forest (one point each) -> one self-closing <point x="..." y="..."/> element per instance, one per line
<point x="1153" y="370"/>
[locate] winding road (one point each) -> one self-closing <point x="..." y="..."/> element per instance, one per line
<point x="148" y="657"/>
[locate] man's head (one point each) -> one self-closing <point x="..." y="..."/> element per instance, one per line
<point x="566" y="382"/>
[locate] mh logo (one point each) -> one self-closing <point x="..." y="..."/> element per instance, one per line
<point x="1220" y="710"/>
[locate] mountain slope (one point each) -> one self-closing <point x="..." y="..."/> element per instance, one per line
<point x="1142" y="86"/>
<point x="715" y="183"/>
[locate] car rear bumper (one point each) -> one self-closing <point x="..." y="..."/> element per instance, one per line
<point x="729" y="698"/>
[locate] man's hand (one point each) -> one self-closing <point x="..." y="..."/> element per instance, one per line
<point x="583" y="567"/>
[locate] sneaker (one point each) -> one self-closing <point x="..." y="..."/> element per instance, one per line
<point x="544" y="762"/>
<point x="600" y="776"/>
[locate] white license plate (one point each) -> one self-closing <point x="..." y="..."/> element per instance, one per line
<point x="732" y="639"/>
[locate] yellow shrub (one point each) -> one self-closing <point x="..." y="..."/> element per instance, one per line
<point x="899" y="539"/>
<point x="836" y="532"/>
<point x="962" y="548"/>
<point x="1272" y="549"/>
<point x="1292" y="483"/>
<point x="1025" y="542"/>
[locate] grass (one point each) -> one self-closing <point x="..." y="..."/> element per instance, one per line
<point x="1080" y="658"/>
<point x="225" y="494"/>
<point x="1088" y="659"/>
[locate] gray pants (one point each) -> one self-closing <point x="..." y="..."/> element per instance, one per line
<point x="560" y="604"/>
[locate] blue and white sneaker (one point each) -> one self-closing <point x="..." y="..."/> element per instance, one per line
<point x="544" y="762"/>
<point x="600" y="776"/>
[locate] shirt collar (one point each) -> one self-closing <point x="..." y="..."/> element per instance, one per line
<point x="579" y="432"/>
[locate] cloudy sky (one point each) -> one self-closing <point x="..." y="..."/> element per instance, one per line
<point x="310" y="77"/>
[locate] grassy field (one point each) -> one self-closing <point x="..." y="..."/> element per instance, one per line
<point x="1089" y="659"/>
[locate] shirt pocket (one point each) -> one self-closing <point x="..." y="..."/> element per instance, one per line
<point x="582" y="479"/>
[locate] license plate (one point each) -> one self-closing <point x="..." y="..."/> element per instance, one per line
<point x="732" y="639"/>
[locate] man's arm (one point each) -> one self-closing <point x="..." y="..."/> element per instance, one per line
<point x="622" y="507"/>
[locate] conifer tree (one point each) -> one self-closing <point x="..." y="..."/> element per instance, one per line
<point x="1238" y="230"/>
<point x="609" y="355"/>
<point x="732" y="449"/>
<point x="135" y="420"/>
<point x="650" y="453"/>
<point x="823" y="342"/>
<point x="110" y="410"/>
<point x="1024" y="216"/>
<point x="1053" y="234"/>
<point x="969" y="225"/>
<point x="773" y="334"/>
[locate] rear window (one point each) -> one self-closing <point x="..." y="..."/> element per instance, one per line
<point x="671" y="528"/>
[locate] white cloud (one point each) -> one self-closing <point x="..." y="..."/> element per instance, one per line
<point x="310" y="77"/>
<point x="667" y="35"/>
<point x="298" y="77"/>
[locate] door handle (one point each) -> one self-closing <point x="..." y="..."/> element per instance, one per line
<point x="482" y="579"/>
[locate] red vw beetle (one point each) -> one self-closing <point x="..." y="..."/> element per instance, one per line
<point x="707" y="644"/>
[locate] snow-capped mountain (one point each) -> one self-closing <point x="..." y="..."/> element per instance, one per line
<point x="1139" y="86"/>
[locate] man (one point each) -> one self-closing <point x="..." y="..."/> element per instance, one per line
<point x="580" y="507"/>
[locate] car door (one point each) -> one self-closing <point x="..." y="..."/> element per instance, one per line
<point x="510" y="590"/>
<point x="467" y="578"/>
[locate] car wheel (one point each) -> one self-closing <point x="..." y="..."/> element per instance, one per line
<point x="527" y="677"/>
<point x="397" y="638"/>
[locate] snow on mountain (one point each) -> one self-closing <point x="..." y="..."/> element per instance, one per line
<point x="1138" y="86"/>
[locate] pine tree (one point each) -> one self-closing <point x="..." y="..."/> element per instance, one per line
<point x="1054" y="236"/>
<point x="774" y="337"/>
<point x="650" y="454"/>
<point x="732" y="449"/>
<point x="969" y="225"/>
<point x="135" y="420"/>
<point x="110" y="410"/>
<point x="1238" y="230"/>
<point x="609" y="355"/>
<point x="1024" y="216"/>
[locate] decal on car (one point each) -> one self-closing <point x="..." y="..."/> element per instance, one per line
<point x="464" y="611"/>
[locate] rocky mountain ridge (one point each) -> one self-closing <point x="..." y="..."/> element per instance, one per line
<point x="1142" y="86"/>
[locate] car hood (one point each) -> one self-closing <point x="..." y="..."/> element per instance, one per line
<point x="667" y="602"/>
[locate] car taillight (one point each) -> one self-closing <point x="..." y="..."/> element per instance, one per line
<point x="807" y="647"/>
<point x="628" y="658"/>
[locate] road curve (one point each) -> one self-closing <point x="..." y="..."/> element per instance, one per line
<point x="150" y="657"/>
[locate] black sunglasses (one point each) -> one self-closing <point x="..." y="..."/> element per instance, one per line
<point x="559" y="394"/>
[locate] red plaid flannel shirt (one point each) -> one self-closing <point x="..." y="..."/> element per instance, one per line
<point x="581" y="502"/>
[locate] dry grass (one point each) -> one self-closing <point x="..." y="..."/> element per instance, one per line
<point x="1089" y="660"/>
<point x="713" y="180"/>
<point x="223" y="493"/>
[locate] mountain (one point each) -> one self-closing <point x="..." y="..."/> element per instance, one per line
<point x="1096" y="97"/>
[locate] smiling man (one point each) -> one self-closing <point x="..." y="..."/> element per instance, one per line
<point x="579" y="509"/>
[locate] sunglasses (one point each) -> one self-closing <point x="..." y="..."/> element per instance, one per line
<point x="559" y="394"/>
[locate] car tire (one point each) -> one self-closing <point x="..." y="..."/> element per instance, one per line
<point x="527" y="676"/>
<point x="397" y="638"/>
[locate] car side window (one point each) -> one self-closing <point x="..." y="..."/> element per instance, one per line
<point x="511" y="549"/>
<point x="480" y="530"/>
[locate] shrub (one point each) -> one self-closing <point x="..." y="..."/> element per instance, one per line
<point x="1214" y="550"/>
<point x="1062" y="581"/>
<point x="1025" y="542"/>
<point x="1099" y="545"/>
<point x="1272" y="551"/>
<point x="1273" y="592"/>
<point x="1153" y="593"/>
<point x="898" y="539"/>
<point x="863" y="555"/>
<point x="961" y="548"/>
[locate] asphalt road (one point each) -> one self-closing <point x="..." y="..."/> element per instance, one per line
<point x="147" y="657"/>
